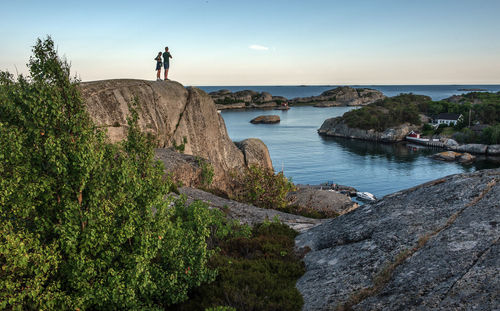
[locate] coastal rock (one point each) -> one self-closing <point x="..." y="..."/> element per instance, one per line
<point x="466" y="158"/>
<point x="432" y="247"/>
<point x="447" y="156"/>
<point x="255" y="152"/>
<point x="341" y="96"/>
<point x="337" y="127"/>
<point x="493" y="150"/>
<point x="450" y="143"/>
<point x="268" y="119"/>
<point x="322" y="200"/>
<point x="473" y="148"/>
<point x="225" y="99"/>
<point x="183" y="167"/>
<point x="249" y="214"/>
<point x="184" y="117"/>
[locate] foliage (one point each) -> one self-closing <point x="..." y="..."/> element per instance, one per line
<point x="256" y="273"/>
<point x="207" y="171"/>
<point x="491" y="135"/>
<point x="182" y="146"/>
<point x="263" y="188"/>
<point x="85" y="224"/>
<point x="309" y="212"/>
<point x="386" y="113"/>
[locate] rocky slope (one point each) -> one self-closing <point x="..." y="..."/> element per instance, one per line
<point x="182" y="117"/>
<point x="336" y="127"/>
<point x="432" y="247"/>
<point x="340" y="96"/>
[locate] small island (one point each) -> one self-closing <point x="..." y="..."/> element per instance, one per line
<point x="269" y="119"/>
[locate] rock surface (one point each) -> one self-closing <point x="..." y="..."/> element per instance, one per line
<point x="432" y="247"/>
<point x="493" y="150"/>
<point x="337" y="127"/>
<point x="341" y="96"/>
<point x="225" y="99"/>
<point x="250" y="214"/>
<point x="269" y="119"/>
<point x="255" y="152"/>
<point x="322" y="200"/>
<point x="473" y="148"/>
<point x="185" y="117"/>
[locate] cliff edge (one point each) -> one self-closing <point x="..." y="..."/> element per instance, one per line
<point x="183" y="118"/>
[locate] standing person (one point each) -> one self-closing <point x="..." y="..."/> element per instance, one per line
<point x="158" y="66"/>
<point x="166" y="58"/>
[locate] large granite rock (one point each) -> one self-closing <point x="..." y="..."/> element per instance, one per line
<point x="337" y="127"/>
<point x="255" y="152"/>
<point x="432" y="247"/>
<point x="327" y="201"/>
<point x="473" y="148"/>
<point x="175" y="115"/>
<point x="341" y="96"/>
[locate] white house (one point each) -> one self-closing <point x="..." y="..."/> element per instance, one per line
<point x="449" y="119"/>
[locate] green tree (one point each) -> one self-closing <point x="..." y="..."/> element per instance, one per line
<point x="85" y="224"/>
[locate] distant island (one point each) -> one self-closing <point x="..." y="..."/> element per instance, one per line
<point x="472" y="90"/>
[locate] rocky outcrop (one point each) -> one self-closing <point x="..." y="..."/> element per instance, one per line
<point x="249" y="214"/>
<point x="493" y="150"/>
<point x="184" y="117"/>
<point x="454" y="156"/>
<point x="255" y="152"/>
<point x="472" y="148"/>
<point x="337" y="127"/>
<point x="324" y="201"/>
<point x="269" y="119"/>
<point x="225" y="99"/>
<point x="432" y="247"/>
<point x="341" y="96"/>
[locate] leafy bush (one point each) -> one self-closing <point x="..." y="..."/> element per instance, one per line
<point x="491" y="135"/>
<point x="85" y="224"/>
<point x="255" y="273"/>
<point x="263" y="188"/>
<point x="207" y="171"/>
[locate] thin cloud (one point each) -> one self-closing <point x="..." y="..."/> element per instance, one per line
<point x="258" y="47"/>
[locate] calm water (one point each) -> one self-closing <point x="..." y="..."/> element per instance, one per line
<point x="436" y="92"/>
<point x="309" y="158"/>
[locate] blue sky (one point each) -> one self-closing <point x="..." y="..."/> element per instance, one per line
<point x="273" y="42"/>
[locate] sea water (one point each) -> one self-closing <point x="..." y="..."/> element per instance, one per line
<point x="308" y="158"/>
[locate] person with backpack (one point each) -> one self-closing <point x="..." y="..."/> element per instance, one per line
<point x="166" y="58"/>
<point x="158" y="66"/>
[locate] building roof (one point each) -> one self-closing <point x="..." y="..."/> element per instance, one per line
<point x="447" y="116"/>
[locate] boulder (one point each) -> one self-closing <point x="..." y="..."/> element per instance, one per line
<point x="230" y="106"/>
<point x="322" y="200"/>
<point x="255" y="152"/>
<point x="466" y="158"/>
<point x="473" y="148"/>
<point x="268" y="119"/>
<point x="432" y="247"/>
<point x="447" y="156"/>
<point x="182" y="167"/>
<point x="450" y="143"/>
<point x="176" y="116"/>
<point x="493" y="150"/>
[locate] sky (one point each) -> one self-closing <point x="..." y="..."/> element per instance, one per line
<point x="272" y="42"/>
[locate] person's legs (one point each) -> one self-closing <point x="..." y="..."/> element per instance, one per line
<point x="166" y="73"/>
<point x="158" y="74"/>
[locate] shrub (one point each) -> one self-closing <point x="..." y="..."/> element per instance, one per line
<point x="491" y="135"/>
<point x="85" y="224"/>
<point x="255" y="273"/>
<point x="263" y="188"/>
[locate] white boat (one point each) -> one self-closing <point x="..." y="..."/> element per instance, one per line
<point x="366" y="196"/>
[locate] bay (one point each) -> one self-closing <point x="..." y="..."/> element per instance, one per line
<point x="308" y="158"/>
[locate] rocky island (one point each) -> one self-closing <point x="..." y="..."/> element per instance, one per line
<point x="340" y="96"/>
